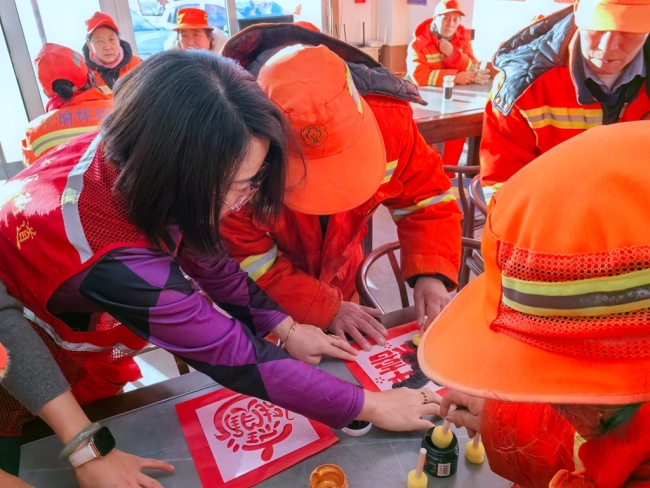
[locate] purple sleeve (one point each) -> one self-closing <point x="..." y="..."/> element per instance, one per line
<point x="223" y="281"/>
<point x="147" y="292"/>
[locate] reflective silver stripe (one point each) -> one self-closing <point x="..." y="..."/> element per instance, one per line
<point x="73" y="346"/>
<point x="70" y="203"/>
<point x="445" y="197"/>
<point x="259" y="264"/>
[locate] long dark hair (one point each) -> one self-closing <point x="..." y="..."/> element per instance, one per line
<point x="182" y="124"/>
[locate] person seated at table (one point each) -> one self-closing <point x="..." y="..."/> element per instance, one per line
<point x="548" y="352"/>
<point x="594" y="72"/>
<point x="76" y="106"/>
<point x="362" y="149"/>
<point x="443" y="47"/>
<point x="112" y="222"/>
<point x="194" y="32"/>
<point x="35" y="380"/>
<point x="107" y="56"/>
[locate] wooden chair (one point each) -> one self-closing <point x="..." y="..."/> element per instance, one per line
<point x="476" y="195"/>
<point x="473" y="263"/>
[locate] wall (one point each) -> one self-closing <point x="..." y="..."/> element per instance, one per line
<point x="353" y="15"/>
<point x="496" y="21"/>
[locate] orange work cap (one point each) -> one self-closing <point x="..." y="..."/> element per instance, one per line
<point x="4" y="359"/>
<point x="192" y="18"/>
<point x="447" y="6"/>
<point x="562" y="312"/>
<point x="614" y="15"/>
<point x="344" y="155"/>
<point x="55" y="62"/>
<point x="100" y="19"/>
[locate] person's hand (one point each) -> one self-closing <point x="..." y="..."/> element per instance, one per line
<point x="353" y="319"/>
<point x="445" y="47"/>
<point x="482" y="76"/>
<point x="400" y="409"/>
<point x="464" y="78"/>
<point x="10" y="481"/>
<point x="119" y="470"/>
<point x="430" y="296"/>
<point x="309" y="344"/>
<point x="469" y="413"/>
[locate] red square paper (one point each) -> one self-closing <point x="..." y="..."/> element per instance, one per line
<point x="383" y="367"/>
<point x="238" y="441"/>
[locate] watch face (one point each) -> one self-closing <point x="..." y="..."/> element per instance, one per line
<point x="104" y="441"/>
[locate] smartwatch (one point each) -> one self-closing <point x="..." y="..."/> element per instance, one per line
<point x="101" y="443"/>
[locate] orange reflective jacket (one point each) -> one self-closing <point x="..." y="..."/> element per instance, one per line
<point x="535" y="447"/>
<point x="101" y="83"/>
<point x="309" y="276"/>
<point x="542" y="114"/>
<point x="427" y="66"/>
<point x="79" y="115"/>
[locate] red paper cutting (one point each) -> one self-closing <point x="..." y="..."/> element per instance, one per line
<point x="392" y="366"/>
<point x="238" y="441"/>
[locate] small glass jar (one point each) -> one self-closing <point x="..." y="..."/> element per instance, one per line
<point x="328" y="476"/>
<point x="448" y="87"/>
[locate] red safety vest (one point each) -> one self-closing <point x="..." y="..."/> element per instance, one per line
<point x="57" y="218"/>
<point x="79" y="115"/>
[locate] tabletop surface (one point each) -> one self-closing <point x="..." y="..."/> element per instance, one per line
<point x="380" y="459"/>
<point x="466" y="98"/>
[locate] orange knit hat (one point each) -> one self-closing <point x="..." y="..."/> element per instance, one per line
<point x="562" y="313"/>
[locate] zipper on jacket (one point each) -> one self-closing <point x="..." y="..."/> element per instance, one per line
<point x="620" y="116"/>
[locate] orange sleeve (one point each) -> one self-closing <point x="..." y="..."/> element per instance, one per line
<point x="421" y="71"/>
<point x="28" y="156"/>
<point x="427" y="215"/>
<point x="507" y="145"/>
<point x="305" y="298"/>
<point x="463" y="57"/>
<point x="525" y="443"/>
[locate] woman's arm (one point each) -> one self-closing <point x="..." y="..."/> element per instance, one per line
<point x="147" y="292"/>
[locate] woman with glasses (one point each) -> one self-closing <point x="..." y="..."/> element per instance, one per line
<point x="111" y="222"/>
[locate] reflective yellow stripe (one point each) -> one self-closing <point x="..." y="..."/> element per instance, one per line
<point x="390" y="169"/>
<point x="469" y="65"/>
<point x="434" y="58"/>
<point x="56" y="138"/>
<point x="604" y="284"/>
<point x="353" y="90"/>
<point x="259" y="264"/>
<point x="105" y="89"/>
<point x="400" y="213"/>
<point x="578" y="441"/>
<point x="563" y="118"/>
<point x="489" y="191"/>
<point x="433" y="77"/>
<point x="582" y="312"/>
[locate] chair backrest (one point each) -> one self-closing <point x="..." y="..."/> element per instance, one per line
<point x="476" y="195"/>
<point x="471" y="260"/>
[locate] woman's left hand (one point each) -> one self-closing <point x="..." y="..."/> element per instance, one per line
<point x="310" y="344"/>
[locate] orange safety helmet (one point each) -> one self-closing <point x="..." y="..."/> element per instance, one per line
<point x="192" y="18"/>
<point x="447" y="6"/>
<point x="55" y="62"/>
<point x="100" y="19"/>
<point x="562" y="313"/>
<point x="614" y="15"/>
<point x="338" y="136"/>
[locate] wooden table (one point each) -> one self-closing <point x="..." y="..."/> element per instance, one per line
<point x="145" y="424"/>
<point x="459" y="118"/>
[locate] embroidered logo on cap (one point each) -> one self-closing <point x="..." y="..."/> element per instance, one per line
<point x="314" y="135"/>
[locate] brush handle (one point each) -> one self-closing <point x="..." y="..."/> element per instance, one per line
<point x="447" y="424"/>
<point x="421" y="460"/>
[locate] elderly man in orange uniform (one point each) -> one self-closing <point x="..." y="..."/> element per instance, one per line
<point x="443" y="47"/>
<point x="593" y="72"/>
<point x="358" y="148"/>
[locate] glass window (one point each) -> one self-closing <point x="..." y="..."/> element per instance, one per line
<point x="14" y="116"/>
<point x="301" y="10"/>
<point x="55" y="21"/>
